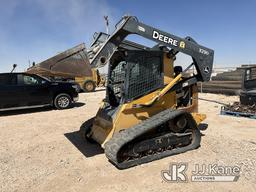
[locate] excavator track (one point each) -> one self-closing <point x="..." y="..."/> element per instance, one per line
<point x="120" y="148"/>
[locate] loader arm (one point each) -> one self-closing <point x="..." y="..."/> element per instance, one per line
<point x="202" y="56"/>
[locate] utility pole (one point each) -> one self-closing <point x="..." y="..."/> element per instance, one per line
<point x="107" y="24"/>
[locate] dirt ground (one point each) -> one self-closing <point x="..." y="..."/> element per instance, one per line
<point x="41" y="150"/>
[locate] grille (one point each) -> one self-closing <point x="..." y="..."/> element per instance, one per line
<point x="144" y="75"/>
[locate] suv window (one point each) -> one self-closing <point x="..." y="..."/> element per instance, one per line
<point x="8" y="79"/>
<point x="29" y="80"/>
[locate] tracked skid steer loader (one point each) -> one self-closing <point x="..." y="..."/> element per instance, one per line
<point x="151" y="106"/>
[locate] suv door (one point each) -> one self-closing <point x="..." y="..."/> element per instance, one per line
<point x="11" y="94"/>
<point x="36" y="89"/>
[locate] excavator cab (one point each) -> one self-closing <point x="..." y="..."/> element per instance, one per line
<point x="150" y="110"/>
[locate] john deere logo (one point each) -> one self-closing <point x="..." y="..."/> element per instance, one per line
<point x="182" y="44"/>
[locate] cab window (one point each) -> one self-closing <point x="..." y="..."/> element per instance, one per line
<point x="8" y="79"/>
<point x="29" y="80"/>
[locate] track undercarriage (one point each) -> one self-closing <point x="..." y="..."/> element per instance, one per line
<point x="138" y="145"/>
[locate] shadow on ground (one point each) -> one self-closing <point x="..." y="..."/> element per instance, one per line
<point x="86" y="148"/>
<point x="25" y="111"/>
<point x="97" y="90"/>
<point x="34" y="110"/>
<point x="91" y="149"/>
<point x="79" y="104"/>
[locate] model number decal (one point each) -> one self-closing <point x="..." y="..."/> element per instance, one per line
<point x="205" y="52"/>
<point x="165" y="39"/>
<point x="141" y="28"/>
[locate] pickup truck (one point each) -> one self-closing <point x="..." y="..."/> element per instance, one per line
<point x="22" y="90"/>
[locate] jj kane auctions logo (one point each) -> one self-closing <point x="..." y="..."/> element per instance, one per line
<point x="201" y="173"/>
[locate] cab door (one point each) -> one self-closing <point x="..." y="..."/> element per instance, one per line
<point x="36" y="89"/>
<point x="11" y="94"/>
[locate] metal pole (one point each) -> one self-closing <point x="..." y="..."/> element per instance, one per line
<point x="107" y="24"/>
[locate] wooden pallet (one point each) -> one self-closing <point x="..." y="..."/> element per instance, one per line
<point x="237" y="114"/>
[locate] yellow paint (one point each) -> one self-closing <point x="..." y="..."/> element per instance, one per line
<point x="98" y="80"/>
<point x="198" y="117"/>
<point x="182" y="45"/>
<point x="127" y="115"/>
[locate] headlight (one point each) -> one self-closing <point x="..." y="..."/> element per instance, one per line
<point x="76" y="87"/>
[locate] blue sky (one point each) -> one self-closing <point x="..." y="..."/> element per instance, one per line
<point x="37" y="29"/>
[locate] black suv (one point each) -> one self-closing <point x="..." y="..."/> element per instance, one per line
<point x="21" y="90"/>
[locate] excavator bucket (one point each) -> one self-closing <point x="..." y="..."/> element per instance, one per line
<point x="71" y="63"/>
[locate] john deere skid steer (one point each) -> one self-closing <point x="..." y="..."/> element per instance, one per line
<point x="151" y="106"/>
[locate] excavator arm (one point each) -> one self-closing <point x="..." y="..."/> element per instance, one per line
<point x="202" y="56"/>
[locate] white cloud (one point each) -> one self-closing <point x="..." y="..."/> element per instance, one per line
<point x="81" y="18"/>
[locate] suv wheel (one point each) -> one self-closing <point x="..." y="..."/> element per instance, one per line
<point x="62" y="101"/>
<point x="89" y="86"/>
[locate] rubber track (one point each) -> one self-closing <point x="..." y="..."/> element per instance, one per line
<point x="120" y="139"/>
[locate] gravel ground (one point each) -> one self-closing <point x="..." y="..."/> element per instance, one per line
<point x="40" y="150"/>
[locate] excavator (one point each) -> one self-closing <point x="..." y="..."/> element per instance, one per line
<point x="150" y="110"/>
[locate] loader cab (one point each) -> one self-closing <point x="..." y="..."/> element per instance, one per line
<point x="136" y="73"/>
<point x="132" y="74"/>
